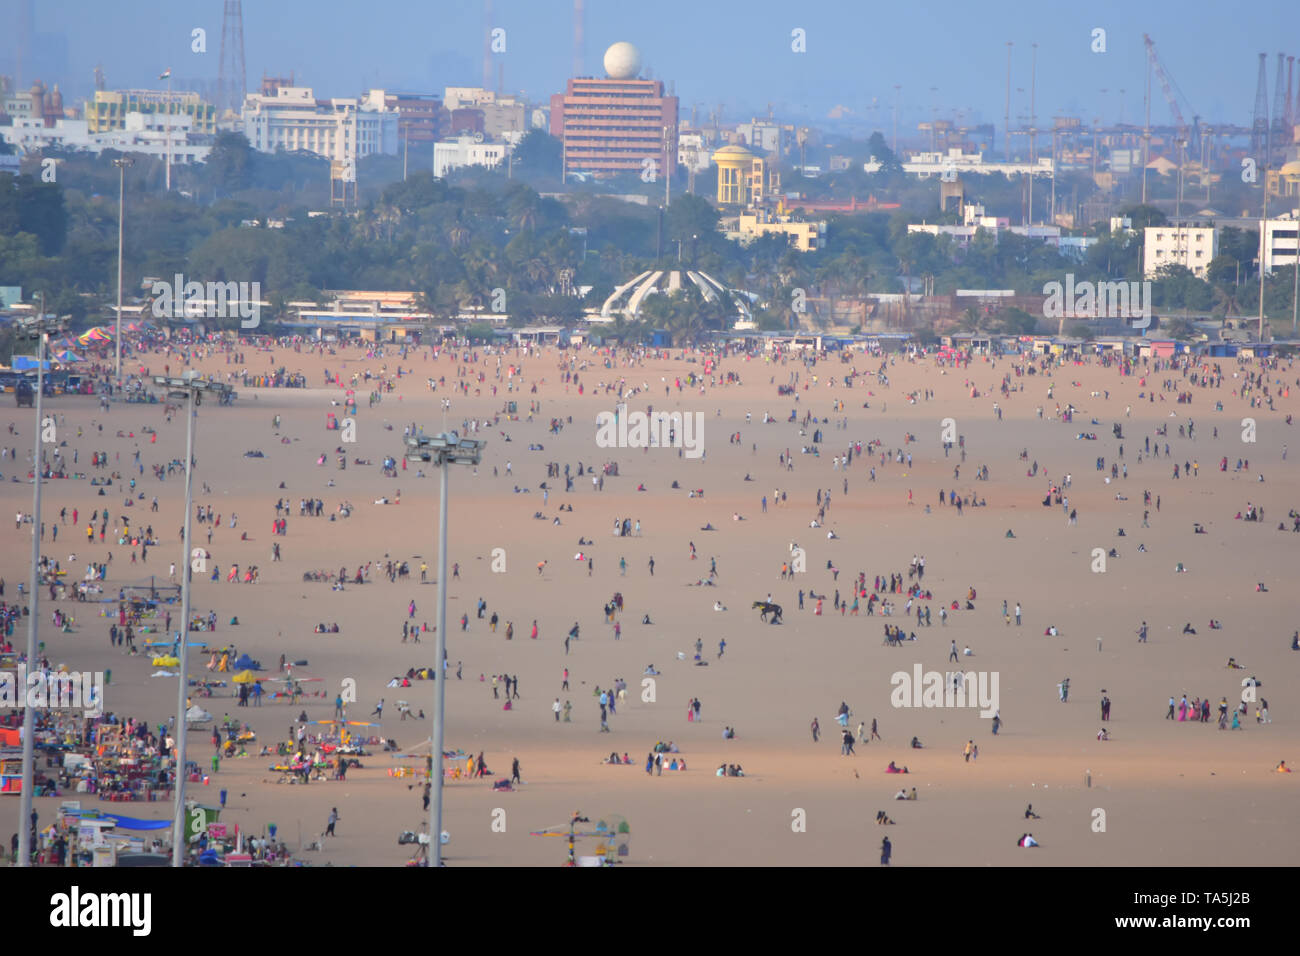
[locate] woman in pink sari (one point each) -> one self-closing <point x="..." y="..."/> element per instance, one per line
<point x="1182" y="708"/>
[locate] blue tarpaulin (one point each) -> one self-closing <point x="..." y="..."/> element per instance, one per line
<point x="128" y="823"/>
<point x="22" y="363"/>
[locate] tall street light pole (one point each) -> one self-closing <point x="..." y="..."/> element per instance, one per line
<point x="191" y="388"/>
<point x="41" y="327"/>
<point x="121" y="164"/>
<point x="1263" y="248"/>
<point x="169" y="128"/>
<point x="441" y="450"/>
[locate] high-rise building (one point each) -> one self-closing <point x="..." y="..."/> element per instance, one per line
<point x="619" y="124"/>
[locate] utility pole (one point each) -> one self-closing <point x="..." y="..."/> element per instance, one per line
<point x="1006" y="128"/>
<point x="1033" y="108"/>
<point x="1146" y="135"/>
<point x="668" y="173"/>
<point x="897" y="92"/>
<point x="1263" y="230"/>
<point x="168" y="77"/>
<point x="26" y="831"/>
<point x="121" y="163"/>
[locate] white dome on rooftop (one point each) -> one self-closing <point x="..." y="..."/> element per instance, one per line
<point x="622" y="61"/>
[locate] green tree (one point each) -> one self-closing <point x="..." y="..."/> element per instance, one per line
<point x="539" y="154"/>
<point x="226" y="169"/>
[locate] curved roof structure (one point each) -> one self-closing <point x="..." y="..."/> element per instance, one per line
<point x="627" y="299"/>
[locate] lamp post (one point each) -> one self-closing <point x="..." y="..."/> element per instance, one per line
<point x="441" y="450"/>
<point x="121" y="163"/>
<point x="189" y="386"/>
<point x="39" y="326"/>
<point x="1263" y="248"/>
<point x="168" y="77"/>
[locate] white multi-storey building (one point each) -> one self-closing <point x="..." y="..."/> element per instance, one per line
<point x="141" y="133"/>
<point x="1190" y="246"/>
<point x="466" y="151"/>
<point x="341" y="130"/>
<point x="1279" y="242"/>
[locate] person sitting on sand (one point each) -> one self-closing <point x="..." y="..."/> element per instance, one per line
<point x="1010" y="533"/>
<point x="1188" y="629"/>
<point x="1295" y="641"/>
<point x="650" y="670"/>
<point x="1282" y="767"/>
<point x="721" y="771"/>
<point x="894" y="769"/>
<point x="646" y="620"/>
<point x="1027" y="840"/>
<point x="901" y="795"/>
<point x="1103" y="734"/>
<point x="916" y="745"/>
<point x="1233" y="665"/>
<point x="882" y="820"/>
<point x="1030" y="814"/>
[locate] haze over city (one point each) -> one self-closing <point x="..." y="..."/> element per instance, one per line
<point x="947" y="56"/>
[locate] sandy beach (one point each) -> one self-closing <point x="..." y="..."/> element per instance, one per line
<point x="1170" y="792"/>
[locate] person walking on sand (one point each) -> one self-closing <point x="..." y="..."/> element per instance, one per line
<point x="874" y="734"/>
<point x="556" y="708"/>
<point x="816" y="730"/>
<point x="952" y="651"/>
<point x="970" y="745"/>
<point x="514" y="771"/>
<point x="333" y="819"/>
<point x="886" y="851"/>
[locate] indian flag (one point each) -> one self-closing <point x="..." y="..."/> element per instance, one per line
<point x="165" y="76"/>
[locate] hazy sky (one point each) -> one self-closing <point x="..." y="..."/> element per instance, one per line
<point x="949" y="54"/>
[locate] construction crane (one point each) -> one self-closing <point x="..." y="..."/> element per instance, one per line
<point x="1191" y="135"/>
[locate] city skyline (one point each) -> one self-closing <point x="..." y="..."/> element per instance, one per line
<point x="853" y="59"/>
